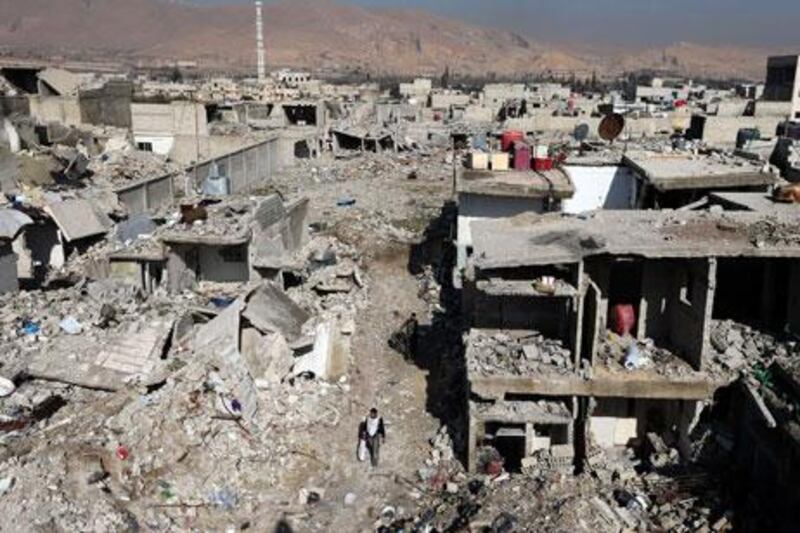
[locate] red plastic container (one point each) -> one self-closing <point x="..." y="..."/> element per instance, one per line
<point x="522" y="156"/>
<point x="624" y="319"/>
<point x="508" y="139"/>
<point x="540" y="165"/>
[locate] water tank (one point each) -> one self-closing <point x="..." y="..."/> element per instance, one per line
<point x="745" y="135"/>
<point x="508" y="139"/>
<point x="216" y="185"/>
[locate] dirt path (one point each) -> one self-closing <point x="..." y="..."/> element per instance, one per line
<point x="380" y="377"/>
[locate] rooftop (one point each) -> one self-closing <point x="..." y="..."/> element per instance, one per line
<point x="685" y="170"/>
<point x="531" y="239"/>
<point x="555" y="183"/>
<point x="753" y="201"/>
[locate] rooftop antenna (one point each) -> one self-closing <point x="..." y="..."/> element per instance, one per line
<point x="262" y="63"/>
<point x="580" y="134"/>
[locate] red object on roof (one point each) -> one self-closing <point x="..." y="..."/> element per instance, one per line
<point x="680" y="103"/>
<point x="624" y="319"/>
<point x="508" y="139"/>
<point x="542" y="164"/>
<point x="522" y="156"/>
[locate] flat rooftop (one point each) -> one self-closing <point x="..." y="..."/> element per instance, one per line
<point x="552" y="183"/>
<point x="753" y="201"/>
<point x="530" y="239"/>
<point x="684" y="170"/>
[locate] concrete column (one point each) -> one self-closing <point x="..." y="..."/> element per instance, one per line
<point x="472" y="444"/>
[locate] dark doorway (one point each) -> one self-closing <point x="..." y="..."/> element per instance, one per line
<point x="625" y="286"/>
<point x="509" y="441"/>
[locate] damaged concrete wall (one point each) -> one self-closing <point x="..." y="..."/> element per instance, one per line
<point x="14" y="105"/>
<point x="8" y="270"/>
<point x="691" y="310"/>
<point x="279" y="230"/>
<point x="108" y="106"/>
<point x="190" y="263"/>
<point x="65" y="110"/>
<point x="624" y="421"/>
<point x="676" y="304"/>
<point x="550" y="316"/>
<point x="148" y="194"/>
<point x="248" y="168"/>
<point x="174" y="118"/>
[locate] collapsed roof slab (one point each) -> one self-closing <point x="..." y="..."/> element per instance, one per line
<point x="107" y="366"/>
<point x="78" y="219"/>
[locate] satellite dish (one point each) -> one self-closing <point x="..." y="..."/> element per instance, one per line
<point x="581" y="132"/>
<point x="611" y="126"/>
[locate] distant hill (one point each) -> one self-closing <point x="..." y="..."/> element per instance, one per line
<point x="323" y="34"/>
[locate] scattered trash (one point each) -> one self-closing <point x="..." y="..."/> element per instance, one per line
<point x="346" y="202"/>
<point x="635" y="359"/>
<point x="6" y="484"/>
<point x="30" y="328"/>
<point x="363" y="453"/>
<point x="224" y="497"/>
<point x="7" y="387"/>
<point x="70" y="325"/>
<point x="122" y="453"/>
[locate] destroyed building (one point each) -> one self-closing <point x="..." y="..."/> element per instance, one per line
<point x="553" y="361"/>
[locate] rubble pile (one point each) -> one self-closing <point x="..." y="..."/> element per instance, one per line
<point x="770" y="231"/>
<point x="92" y="311"/>
<point x="618" y="353"/>
<point x="124" y="165"/>
<point x="532" y="354"/>
<point x="740" y="347"/>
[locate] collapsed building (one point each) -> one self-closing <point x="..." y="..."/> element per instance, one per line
<point x="556" y="369"/>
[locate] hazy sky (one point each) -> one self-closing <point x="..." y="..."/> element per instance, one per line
<point x="747" y="22"/>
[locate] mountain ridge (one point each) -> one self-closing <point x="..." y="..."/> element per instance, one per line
<point x="323" y="34"/>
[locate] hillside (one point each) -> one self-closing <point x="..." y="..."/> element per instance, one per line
<point x="320" y="34"/>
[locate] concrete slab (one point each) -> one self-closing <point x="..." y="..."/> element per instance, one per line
<point x="106" y="366"/>
<point x="270" y="310"/>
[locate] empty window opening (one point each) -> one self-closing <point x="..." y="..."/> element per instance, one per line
<point x="753" y="291"/>
<point x="509" y="441"/>
<point x="301" y="115"/>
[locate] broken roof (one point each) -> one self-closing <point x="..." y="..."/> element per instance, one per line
<point x="676" y="171"/>
<point x="104" y="365"/>
<point x="11" y="221"/>
<point x="556" y="239"/>
<point x="78" y="219"/>
<point x="552" y="183"/>
<point x="60" y="81"/>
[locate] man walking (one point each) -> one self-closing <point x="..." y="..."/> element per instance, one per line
<point x="374" y="434"/>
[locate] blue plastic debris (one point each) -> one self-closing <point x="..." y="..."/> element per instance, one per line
<point x="30" y="327"/>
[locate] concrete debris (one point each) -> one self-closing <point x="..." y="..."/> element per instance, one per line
<point x="524" y="354"/>
<point x="199" y="300"/>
